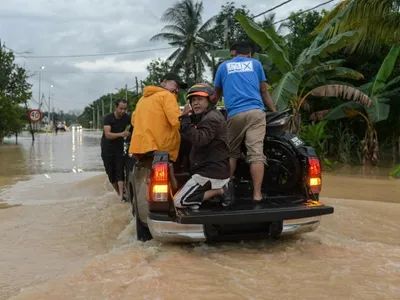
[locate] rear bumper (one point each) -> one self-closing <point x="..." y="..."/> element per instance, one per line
<point x="168" y="231"/>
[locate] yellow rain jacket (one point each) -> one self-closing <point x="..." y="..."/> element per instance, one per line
<point x="156" y="123"/>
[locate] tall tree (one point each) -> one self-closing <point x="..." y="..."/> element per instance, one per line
<point x="187" y="31"/>
<point x="14" y="92"/>
<point x="301" y="26"/>
<point x="227" y="29"/>
<point x="157" y="69"/>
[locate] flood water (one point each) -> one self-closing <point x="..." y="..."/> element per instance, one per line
<point x="65" y="235"/>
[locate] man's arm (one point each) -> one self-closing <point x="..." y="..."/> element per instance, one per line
<point x="218" y="82"/>
<point x="172" y="110"/>
<point x="200" y="136"/>
<point x="264" y="88"/>
<point x="111" y="136"/>
<point x="107" y="130"/>
<point x="266" y="96"/>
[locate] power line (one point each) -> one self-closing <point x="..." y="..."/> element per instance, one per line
<point x="99" y="54"/>
<point x="303" y="12"/>
<point x="85" y="72"/>
<point x="271" y="9"/>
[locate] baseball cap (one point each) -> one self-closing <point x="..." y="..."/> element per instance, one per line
<point x="176" y="78"/>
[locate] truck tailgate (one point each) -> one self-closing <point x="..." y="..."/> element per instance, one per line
<point x="248" y="214"/>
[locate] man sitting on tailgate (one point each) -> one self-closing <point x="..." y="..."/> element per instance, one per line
<point x="206" y="130"/>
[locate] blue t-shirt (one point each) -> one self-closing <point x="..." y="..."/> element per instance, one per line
<point x="240" y="80"/>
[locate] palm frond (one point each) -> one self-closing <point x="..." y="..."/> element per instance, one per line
<point x="173" y="29"/>
<point x="172" y="37"/>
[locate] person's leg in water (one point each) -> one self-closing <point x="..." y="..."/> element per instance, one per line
<point x="120" y="175"/>
<point x="110" y="168"/>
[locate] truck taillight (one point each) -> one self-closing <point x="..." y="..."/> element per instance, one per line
<point x="314" y="175"/>
<point x="159" y="183"/>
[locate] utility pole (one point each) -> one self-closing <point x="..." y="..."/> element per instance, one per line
<point x="40" y="83"/>
<point x="126" y="92"/>
<point x="98" y="117"/>
<point x="102" y="107"/>
<point x="94" y="119"/>
<point x="111" y="104"/>
<point x="52" y="105"/>
<point x="49" y="107"/>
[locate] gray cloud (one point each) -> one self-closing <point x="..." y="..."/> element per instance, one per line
<point x="68" y="27"/>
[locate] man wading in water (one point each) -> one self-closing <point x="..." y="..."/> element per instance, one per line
<point x="112" y="145"/>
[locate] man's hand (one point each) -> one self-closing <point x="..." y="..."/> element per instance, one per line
<point x="125" y="134"/>
<point x="186" y="110"/>
<point x="266" y="97"/>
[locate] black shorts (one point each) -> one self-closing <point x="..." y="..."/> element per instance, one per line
<point x="114" y="165"/>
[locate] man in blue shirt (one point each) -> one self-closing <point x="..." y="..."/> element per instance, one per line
<point x="243" y="83"/>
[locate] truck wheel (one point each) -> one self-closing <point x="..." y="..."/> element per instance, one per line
<point x="275" y="230"/>
<point x="142" y="232"/>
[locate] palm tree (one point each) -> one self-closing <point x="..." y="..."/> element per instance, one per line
<point x="376" y="21"/>
<point x="186" y="31"/>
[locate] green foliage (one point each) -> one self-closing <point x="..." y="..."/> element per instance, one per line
<point x="314" y="134"/>
<point x="157" y="69"/>
<point x="300" y="28"/>
<point x="344" y="145"/>
<point x="234" y="31"/>
<point x="14" y="93"/>
<point x="395" y="172"/>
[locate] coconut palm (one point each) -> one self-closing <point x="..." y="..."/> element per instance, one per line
<point x="186" y="31"/>
<point x="377" y="22"/>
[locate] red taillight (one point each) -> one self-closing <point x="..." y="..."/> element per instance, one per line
<point x="314" y="175"/>
<point x="159" y="183"/>
<point x="160" y="173"/>
<point x="314" y="167"/>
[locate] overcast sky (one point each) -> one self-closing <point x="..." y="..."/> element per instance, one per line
<point x="71" y="27"/>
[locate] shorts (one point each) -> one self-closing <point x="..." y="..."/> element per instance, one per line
<point x="192" y="193"/>
<point x="250" y="126"/>
<point x="114" y="166"/>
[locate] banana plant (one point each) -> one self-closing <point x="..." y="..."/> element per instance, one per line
<point x="372" y="98"/>
<point x="309" y="71"/>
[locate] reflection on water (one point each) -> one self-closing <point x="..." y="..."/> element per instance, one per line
<point x="73" y="239"/>
<point x="72" y="151"/>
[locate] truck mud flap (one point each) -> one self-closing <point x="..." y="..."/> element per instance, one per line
<point x="248" y="214"/>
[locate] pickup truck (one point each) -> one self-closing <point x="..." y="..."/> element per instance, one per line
<point x="292" y="183"/>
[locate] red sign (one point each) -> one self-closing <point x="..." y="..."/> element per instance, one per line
<point x="35" y="115"/>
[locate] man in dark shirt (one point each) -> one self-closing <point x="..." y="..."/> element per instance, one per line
<point x="112" y="145"/>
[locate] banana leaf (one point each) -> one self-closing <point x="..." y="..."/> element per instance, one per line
<point x="266" y="42"/>
<point x="286" y="89"/>
<point x="385" y="70"/>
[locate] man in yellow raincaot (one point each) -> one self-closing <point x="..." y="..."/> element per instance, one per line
<point x="155" y="120"/>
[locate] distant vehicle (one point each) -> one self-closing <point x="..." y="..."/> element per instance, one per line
<point x="60" y="127"/>
<point x="76" y="126"/>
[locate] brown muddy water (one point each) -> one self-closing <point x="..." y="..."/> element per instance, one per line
<point x="65" y="235"/>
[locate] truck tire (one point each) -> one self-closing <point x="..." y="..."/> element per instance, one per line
<point x="142" y="232"/>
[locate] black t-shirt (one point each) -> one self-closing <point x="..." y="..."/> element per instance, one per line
<point x="117" y="125"/>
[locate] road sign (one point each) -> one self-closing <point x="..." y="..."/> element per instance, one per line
<point x="35" y="115"/>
